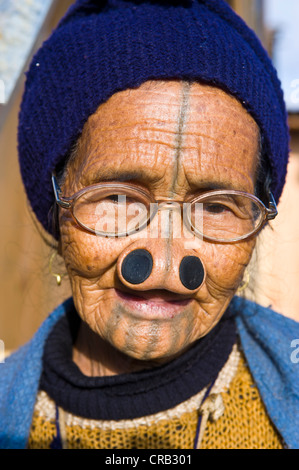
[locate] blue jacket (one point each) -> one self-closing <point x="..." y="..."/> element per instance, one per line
<point x="266" y="339"/>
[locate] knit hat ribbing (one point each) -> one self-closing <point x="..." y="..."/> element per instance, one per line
<point x="101" y="47"/>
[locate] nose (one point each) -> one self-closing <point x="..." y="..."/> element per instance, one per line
<point x="144" y="269"/>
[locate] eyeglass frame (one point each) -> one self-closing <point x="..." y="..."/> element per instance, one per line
<point x="68" y="203"/>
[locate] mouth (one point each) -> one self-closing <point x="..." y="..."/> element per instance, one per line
<point x="158" y="303"/>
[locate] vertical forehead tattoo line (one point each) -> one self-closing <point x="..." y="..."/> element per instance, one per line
<point x="182" y="118"/>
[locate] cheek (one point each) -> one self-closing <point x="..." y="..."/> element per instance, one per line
<point x="86" y="255"/>
<point x="225" y="264"/>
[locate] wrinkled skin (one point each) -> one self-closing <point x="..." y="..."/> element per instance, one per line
<point x="174" y="140"/>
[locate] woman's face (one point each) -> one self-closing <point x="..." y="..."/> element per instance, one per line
<point x="173" y="140"/>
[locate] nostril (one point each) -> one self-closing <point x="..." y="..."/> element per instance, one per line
<point x="192" y="272"/>
<point x="137" y="266"/>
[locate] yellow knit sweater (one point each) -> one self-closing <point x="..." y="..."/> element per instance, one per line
<point x="233" y="417"/>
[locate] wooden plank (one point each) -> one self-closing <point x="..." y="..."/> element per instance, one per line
<point x="294" y="122"/>
<point x="27" y="291"/>
<point x="22" y="22"/>
<point x="275" y="272"/>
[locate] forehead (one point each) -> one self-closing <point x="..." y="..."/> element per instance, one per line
<point x="175" y="132"/>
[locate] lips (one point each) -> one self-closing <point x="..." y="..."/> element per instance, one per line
<point x="158" y="303"/>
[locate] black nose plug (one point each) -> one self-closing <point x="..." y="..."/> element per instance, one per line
<point x="192" y="272"/>
<point x="137" y="266"/>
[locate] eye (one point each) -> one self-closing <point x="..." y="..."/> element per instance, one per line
<point x="113" y="198"/>
<point x="215" y="208"/>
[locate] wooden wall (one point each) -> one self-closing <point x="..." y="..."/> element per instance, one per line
<point x="276" y="276"/>
<point x="252" y="12"/>
<point x="28" y="292"/>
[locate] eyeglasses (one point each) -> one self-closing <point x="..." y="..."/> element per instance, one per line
<point x="120" y="210"/>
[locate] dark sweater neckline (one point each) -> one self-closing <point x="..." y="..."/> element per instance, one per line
<point x="137" y="394"/>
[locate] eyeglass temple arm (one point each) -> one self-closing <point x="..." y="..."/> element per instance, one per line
<point x="272" y="211"/>
<point x="57" y="190"/>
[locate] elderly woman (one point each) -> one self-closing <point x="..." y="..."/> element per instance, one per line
<point x="153" y="147"/>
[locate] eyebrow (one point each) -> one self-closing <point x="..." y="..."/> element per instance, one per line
<point x="106" y="175"/>
<point x="209" y="185"/>
<point x="212" y="186"/>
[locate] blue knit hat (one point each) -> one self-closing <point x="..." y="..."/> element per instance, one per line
<point x="102" y="47"/>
